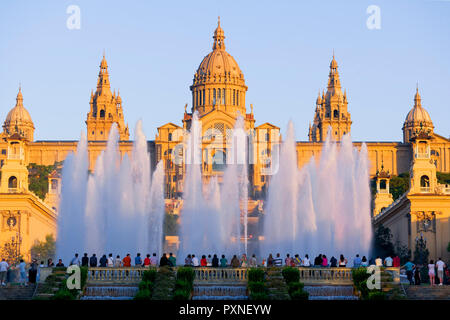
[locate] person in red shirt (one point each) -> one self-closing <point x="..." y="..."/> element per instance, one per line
<point x="127" y="261"/>
<point x="396" y="262"/>
<point x="203" y="261"/>
<point x="147" y="261"/>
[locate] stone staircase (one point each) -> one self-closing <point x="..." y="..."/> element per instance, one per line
<point x="427" y="292"/>
<point x="17" y="292"/>
<point x="46" y="290"/>
<point x="276" y="285"/>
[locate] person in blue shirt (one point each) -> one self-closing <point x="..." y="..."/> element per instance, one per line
<point x="138" y="260"/>
<point x="357" y="262"/>
<point x="409" y="271"/>
<point x="23" y="273"/>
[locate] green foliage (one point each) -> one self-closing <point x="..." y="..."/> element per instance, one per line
<point x="44" y="250"/>
<point x="181" y="294"/>
<point x="83" y="276"/>
<point x="186" y="273"/>
<point x="146" y="285"/>
<point x="184" y="283"/>
<point x="256" y="274"/>
<point x="63" y="294"/>
<point x="360" y="277"/>
<point x="144" y="294"/>
<point x="383" y="245"/>
<point x="299" y="295"/>
<point x="170" y="226"/>
<point x="38" y="178"/>
<point x="399" y="185"/>
<point x="291" y="274"/>
<point x="421" y="252"/>
<point x="377" y="295"/>
<point x="149" y="275"/>
<point x="257" y="286"/>
<point x="443" y="177"/>
<point x="403" y="252"/>
<point x="259" y="296"/>
<point x="448" y="247"/>
<point x="295" y="286"/>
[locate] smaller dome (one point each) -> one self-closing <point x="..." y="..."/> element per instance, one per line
<point x="18" y="114"/>
<point x="418" y="114"/>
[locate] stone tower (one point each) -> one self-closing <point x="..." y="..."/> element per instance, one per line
<point x="19" y="120"/>
<point x="417" y="119"/>
<point x="331" y="110"/>
<point x="106" y="109"/>
<point x="383" y="198"/>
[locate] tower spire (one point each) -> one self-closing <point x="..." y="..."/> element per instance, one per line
<point x="417" y="98"/>
<point x="219" y="37"/>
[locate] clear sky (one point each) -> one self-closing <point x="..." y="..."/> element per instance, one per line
<point x="283" y="48"/>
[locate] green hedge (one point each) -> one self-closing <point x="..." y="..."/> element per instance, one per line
<point x="360" y="277"/>
<point x="377" y="295"/>
<point x="144" y="294"/>
<point x="149" y="275"/>
<point x="291" y="274"/>
<point x="184" y="284"/>
<point x="256" y="275"/>
<point x="295" y="288"/>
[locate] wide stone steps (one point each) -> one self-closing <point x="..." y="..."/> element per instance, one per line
<point x="428" y="292"/>
<point x="16" y="292"/>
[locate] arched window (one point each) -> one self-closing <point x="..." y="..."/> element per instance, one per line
<point x="223" y="96"/>
<point x="102" y="113"/>
<point x="54" y="184"/>
<point x="12" y="182"/>
<point x="234" y="97"/>
<point x="218" y="95"/>
<point x="170" y="136"/>
<point x="424" y="183"/>
<point x="336" y="114"/>
<point x="237" y="97"/>
<point x="219" y="161"/>
<point x="214" y="96"/>
<point x="203" y="98"/>
<point x="383" y="184"/>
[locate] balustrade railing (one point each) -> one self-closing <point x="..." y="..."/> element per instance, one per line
<point x="220" y="275"/>
<point x="115" y="275"/>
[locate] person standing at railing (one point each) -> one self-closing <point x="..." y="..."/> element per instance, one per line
<point x="138" y="260"/>
<point x="270" y="261"/>
<point x="50" y="263"/>
<point x="147" y="261"/>
<point x="324" y="261"/>
<point x="188" y="261"/>
<point x="223" y="262"/>
<point x="364" y="262"/>
<point x="215" y="261"/>
<point x="85" y="260"/>
<point x="388" y="261"/>
<point x="253" y="262"/>
<point x="235" y="263"/>
<point x="297" y="261"/>
<point x="93" y="261"/>
<point x="333" y="262"/>
<point x="154" y="260"/>
<point x="243" y="261"/>
<point x="396" y="262"/>
<point x="4" y="266"/>
<point x="75" y="260"/>
<point x="342" y="261"/>
<point x="306" y="262"/>
<point x="172" y="260"/>
<point x="195" y="261"/>
<point x="357" y="262"/>
<point x="287" y="260"/>
<point x="164" y="261"/>
<point x="127" y="261"/>
<point x="110" y="261"/>
<point x="278" y="262"/>
<point x="117" y="262"/>
<point x="378" y="262"/>
<point x="203" y="261"/>
<point x="208" y="261"/>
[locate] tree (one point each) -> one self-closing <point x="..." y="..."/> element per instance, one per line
<point x="44" y="250"/>
<point x="402" y="252"/>
<point x="383" y="245"/>
<point x="421" y="252"/>
<point x="399" y="185"/>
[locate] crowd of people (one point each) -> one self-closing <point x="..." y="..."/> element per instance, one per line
<point x="321" y="261"/>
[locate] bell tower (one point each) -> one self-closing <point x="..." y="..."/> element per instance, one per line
<point x="331" y="110"/>
<point x="106" y="109"/>
<point x="383" y="198"/>
<point x="14" y="172"/>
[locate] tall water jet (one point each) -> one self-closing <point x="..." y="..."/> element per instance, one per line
<point x="322" y="208"/>
<point x="123" y="208"/>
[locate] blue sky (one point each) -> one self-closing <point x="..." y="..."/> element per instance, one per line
<point x="283" y="48"/>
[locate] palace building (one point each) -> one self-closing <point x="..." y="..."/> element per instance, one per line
<point x="219" y="98"/>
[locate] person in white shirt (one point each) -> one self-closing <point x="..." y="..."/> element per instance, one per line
<point x="3" y="271"/>
<point x="431" y="273"/>
<point x="388" y="261"/>
<point x="117" y="262"/>
<point x="306" y="262"/>
<point x="195" y="261"/>
<point x="378" y="262"/>
<point x="110" y="262"/>
<point x="440" y="265"/>
<point x="75" y="260"/>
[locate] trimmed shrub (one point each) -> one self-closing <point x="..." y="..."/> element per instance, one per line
<point x="143" y="294"/>
<point x="291" y="274"/>
<point x="377" y="295"/>
<point x="181" y="294"/>
<point x="149" y="276"/>
<point x="360" y="277"/>
<point x="295" y="286"/>
<point x="259" y="296"/>
<point x="63" y="294"/>
<point x="256" y="275"/>
<point x="146" y="285"/>
<point x="186" y="273"/>
<point x="257" y="286"/>
<point x="299" y="295"/>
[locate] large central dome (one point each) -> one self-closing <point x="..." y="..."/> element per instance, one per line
<point x="219" y="66"/>
<point x="218" y="82"/>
